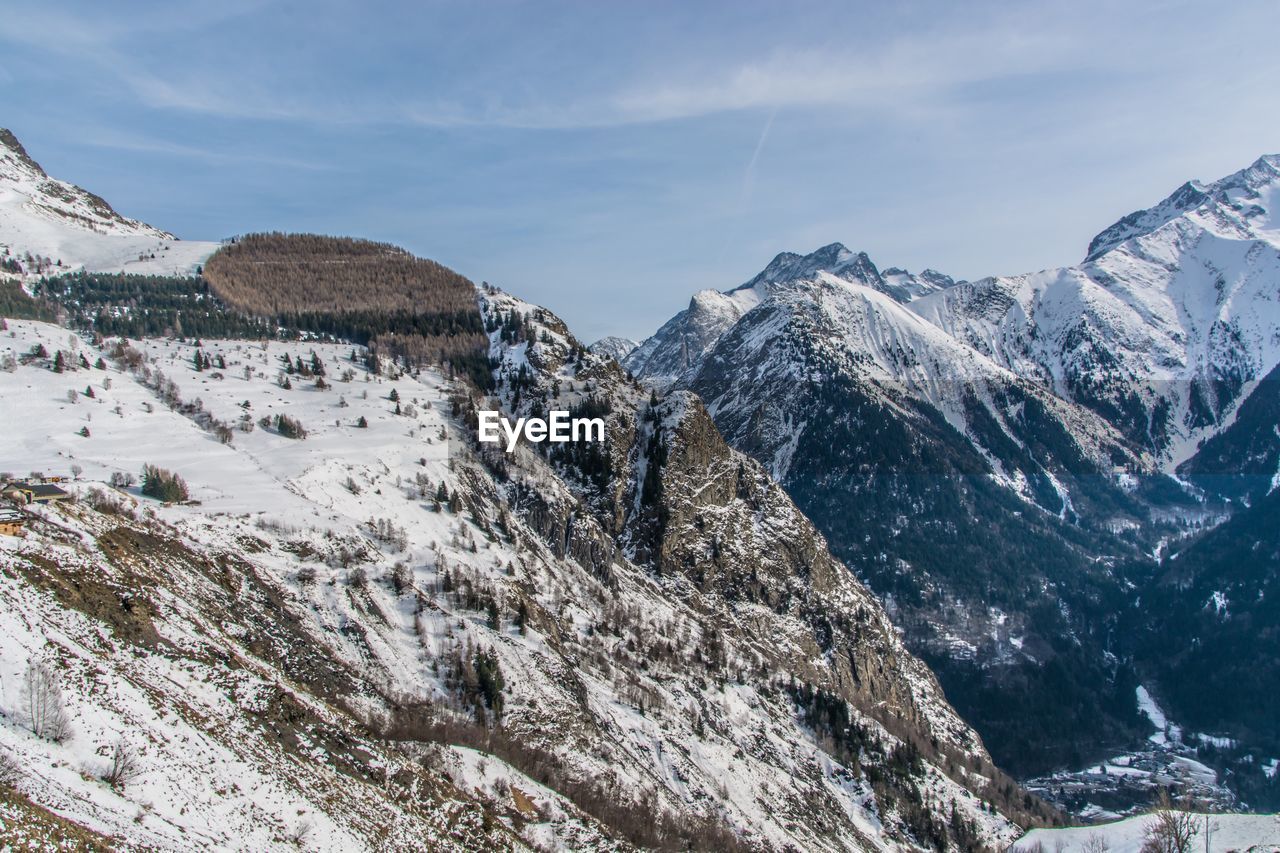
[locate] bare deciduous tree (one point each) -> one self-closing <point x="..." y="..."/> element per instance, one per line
<point x="1096" y="843"/>
<point x="42" y="697"/>
<point x="122" y="766"/>
<point x="1170" y="829"/>
<point x="301" y="833"/>
<point x="10" y="770"/>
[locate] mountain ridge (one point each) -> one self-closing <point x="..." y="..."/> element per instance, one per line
<point x="52" y="226"/>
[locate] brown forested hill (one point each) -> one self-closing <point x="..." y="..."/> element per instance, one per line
<point x="372" y="293"/>
<point x="269" y="274"/>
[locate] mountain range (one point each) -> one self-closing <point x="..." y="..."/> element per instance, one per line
<point x="1012" y="463"/>
<point x="850" y="529"/>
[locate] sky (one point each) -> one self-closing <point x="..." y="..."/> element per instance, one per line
<point x="608" y="159"/>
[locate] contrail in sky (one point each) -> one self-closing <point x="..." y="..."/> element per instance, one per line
<point x="749" y="175"/>
<point x="748" y="184"/>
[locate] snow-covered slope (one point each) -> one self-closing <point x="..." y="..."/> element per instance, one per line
<point x="686" y="337"/>
<point x="1162" y="330"/>
<point x="366" y="571"/>
<point x="809" y="330"/>
<point x="51" y="226"/>
<point x="1226" y="832"/>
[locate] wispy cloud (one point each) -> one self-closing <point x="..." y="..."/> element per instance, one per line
<point x="905" y="75"/>
<point x="901" y="74"/>
<point x="117" y="141"/>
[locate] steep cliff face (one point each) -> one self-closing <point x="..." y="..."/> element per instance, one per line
<point x="735" y="534"/>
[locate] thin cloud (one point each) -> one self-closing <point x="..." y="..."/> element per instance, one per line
<point x="903" y="75"/>
<point x="120" y="142"/>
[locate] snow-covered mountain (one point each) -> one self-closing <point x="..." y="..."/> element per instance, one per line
<point x="827" y="328"/>
<point x="365" y="630"/>
<point x="49" y="226"/>
<point x="1027" y="428"/>
<point x="614" y="347"/>
<point x="1165" y="327"/>
<point x="695" y="648"/>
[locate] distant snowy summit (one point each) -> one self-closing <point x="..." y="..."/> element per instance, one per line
<point x="52" y="226"/>
<point x="683" y="341"/>
<point x="1239" y="192"/>
<point x="838" y="261"/>
<point x="1164" y="329"/>
<point x="613" y="347"/>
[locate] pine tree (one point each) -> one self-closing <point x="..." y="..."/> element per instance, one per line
<point x="163" y="485"/>
<point x="290" y="427"/>
<point x="491" y="683"/>
<point x="59" y="363"/>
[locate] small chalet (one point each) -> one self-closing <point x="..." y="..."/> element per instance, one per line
<point x="28" y="492"/>
<point x="11" y="521"/>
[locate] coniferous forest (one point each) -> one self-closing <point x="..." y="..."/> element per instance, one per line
<point x="285" y="286"/>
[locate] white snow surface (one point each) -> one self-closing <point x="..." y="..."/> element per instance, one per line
<point x="615" y="347"/>
<point x="1228" y="832"/>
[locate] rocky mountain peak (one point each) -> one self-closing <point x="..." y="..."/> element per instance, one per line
<point x="15" y="150"/>
<point x="613" y="346"/>
<point x="1247" y="183"/>
<point x="834" y="258"/>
